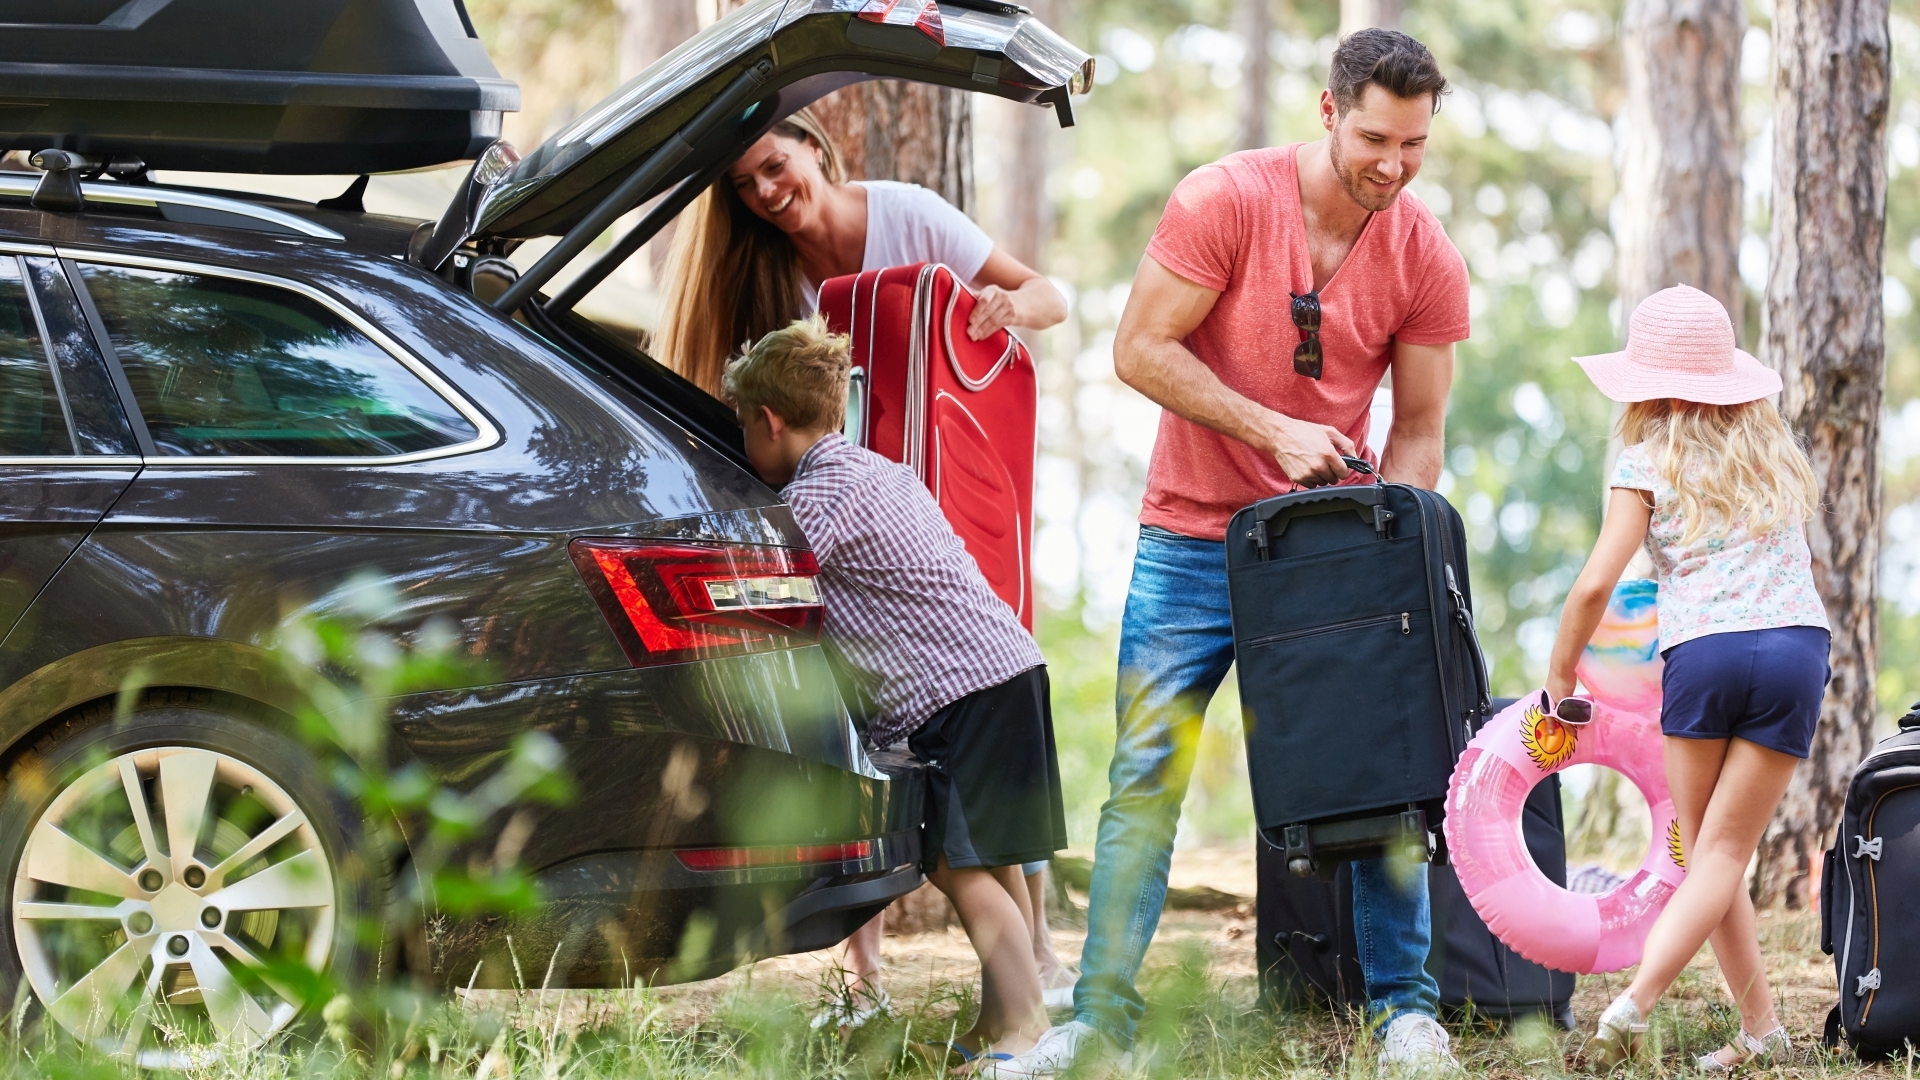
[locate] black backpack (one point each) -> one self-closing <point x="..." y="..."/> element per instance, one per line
<point x="1361" y="679"/>
<point x="1870" y="900"/>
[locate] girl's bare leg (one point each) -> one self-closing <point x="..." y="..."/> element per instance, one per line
<point x="992" y="903"/>
<point x="1693" y="767"/>
<point x="1736" y="945"/>
<point x="1743" y="783"/>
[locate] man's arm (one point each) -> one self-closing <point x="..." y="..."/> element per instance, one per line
<point x="1422" y="375"/>
<point x="1149" y="356"/>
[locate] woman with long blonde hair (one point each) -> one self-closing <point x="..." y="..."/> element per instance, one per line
<point x="1718" y="490"/>
<point x="750" y="254"/>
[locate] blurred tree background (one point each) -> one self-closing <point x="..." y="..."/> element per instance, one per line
<point x="1523" y="172"/>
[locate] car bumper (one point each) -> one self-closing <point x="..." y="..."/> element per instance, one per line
<point x="629" y="918"/>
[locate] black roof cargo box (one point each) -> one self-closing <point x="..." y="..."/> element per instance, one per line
<point x="279" y="86"/>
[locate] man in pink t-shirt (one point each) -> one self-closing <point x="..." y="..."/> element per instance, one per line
<point x="1281" y="287"/>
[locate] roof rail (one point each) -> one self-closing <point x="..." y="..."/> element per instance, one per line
<point x="154" y="195"/>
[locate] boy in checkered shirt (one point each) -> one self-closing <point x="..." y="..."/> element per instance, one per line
<point x="947" y="665"/>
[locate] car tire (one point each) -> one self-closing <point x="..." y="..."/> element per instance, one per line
<point x="102" y="919"/>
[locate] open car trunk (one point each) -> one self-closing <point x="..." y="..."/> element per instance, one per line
<point x="671" y="131"/>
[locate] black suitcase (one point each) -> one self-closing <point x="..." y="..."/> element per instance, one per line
<point x="1360" y="675"/>
<point x="1870" y="900"/>
<point x="1305" y="948"/>
<point x="1477" y="973"/>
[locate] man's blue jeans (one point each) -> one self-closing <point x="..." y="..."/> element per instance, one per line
<point x="1176" y="643"/>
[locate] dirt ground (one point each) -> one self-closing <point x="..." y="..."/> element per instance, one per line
<point x="918" y="966"/>
<point x="923" y="969"/>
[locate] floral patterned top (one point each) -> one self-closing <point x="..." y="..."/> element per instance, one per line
<point x="1720" y="584"/>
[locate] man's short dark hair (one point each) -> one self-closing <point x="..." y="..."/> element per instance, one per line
<point x="1388" y="59"/>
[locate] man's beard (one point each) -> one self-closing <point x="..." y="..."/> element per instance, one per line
<point x="1357" y="189"/>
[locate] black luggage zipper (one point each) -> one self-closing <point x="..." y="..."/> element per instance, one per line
<point x="1873" y="907"/>
<point x="1482" y="708"/>
<point x="1404" y="618"/>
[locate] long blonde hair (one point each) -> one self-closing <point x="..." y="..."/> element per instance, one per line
<point x="1729" y="463"/>
<point x="734" y="276"/>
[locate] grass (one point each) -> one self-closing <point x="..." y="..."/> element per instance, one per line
<point x="1201" y="1022"/>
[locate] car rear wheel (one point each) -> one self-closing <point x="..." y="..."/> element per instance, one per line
<point x="176" y="881"/>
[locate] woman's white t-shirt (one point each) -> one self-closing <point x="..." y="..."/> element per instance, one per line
<point x="908" y="224"/>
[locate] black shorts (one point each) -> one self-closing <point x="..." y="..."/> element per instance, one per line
<point x="993" y="781"/>
<point x="1764" y="686"/>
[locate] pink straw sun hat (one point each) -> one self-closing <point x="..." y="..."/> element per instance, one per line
<point x="1680" y="345"/>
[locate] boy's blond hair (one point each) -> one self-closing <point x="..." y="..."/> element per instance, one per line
<point x="799" y="371"/>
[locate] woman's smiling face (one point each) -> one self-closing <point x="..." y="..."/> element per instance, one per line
<point x="781" y="180"/>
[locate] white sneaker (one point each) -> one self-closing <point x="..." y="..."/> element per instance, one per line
<point x="1056" y="988"/>
<point x="1417" y="1043"/>
<point x="1057" y="1051"/>
<point x="853" y="1011"/>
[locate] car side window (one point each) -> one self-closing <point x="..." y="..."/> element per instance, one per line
<point x="93" y="405"/>
<point x="33" y="414"/>
<point x="223" y="367"/>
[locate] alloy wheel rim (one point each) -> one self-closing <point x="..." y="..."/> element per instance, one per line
<point x="162" y="898"/>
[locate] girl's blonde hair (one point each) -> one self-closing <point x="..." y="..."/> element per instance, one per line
<point x="734" y="276"/>
<point x="1729" y="463"/>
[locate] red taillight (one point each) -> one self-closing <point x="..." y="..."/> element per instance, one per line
<point x="747" y="858"/>
<point x="673" y="602"/>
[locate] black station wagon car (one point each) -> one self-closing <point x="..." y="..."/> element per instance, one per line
<point x="219" y="409"/>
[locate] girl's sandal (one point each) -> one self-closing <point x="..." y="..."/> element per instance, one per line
<point x="1747" y="1050"/>
<point x="1621" y="1033"/>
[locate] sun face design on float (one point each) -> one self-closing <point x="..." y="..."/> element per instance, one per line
<point x="1547" y="741"/>
<point x="1673" y="845"/>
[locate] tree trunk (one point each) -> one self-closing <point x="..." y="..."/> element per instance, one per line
<point x="892" y="130"/>
<point x="1360" y="14"/>
<point x="1024" y="216"/>
<point x="649" y="30"/>
<point x="1680" y="181"/>
<point x="1824" y="333"/>
<point x="1254" y="20"/>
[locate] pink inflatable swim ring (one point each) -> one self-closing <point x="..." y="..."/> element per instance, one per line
<point x="1522" y="746"/>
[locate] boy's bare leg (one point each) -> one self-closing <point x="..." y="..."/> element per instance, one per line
<point x="992" y="905"/>
<point x="1044" y="958"/>
<point x="861" y="957"/>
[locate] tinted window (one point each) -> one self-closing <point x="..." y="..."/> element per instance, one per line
<point x="93" y="406"/>
<point x="232" y="368"/>
<point x="33" y="418"/>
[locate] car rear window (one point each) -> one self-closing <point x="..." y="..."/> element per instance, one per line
<point x="223" y="367"/>
<point x="33" y="421"/>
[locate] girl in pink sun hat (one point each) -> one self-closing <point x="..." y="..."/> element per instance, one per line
<point x="1718" y="490"/>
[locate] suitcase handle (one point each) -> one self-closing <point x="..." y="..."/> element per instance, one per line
<point x="1360" y="466"/>
<point x="953" y="357"/>
<point x="1368" y="502"/>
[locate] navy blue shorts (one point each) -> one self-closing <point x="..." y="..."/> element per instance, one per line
<point x="1763" y="686"/>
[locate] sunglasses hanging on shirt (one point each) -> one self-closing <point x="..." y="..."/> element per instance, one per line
<point x="1306" y="316"/>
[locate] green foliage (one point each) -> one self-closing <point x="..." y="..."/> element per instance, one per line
<point x="347" y="670"/>
<point x="346" y="673"/>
